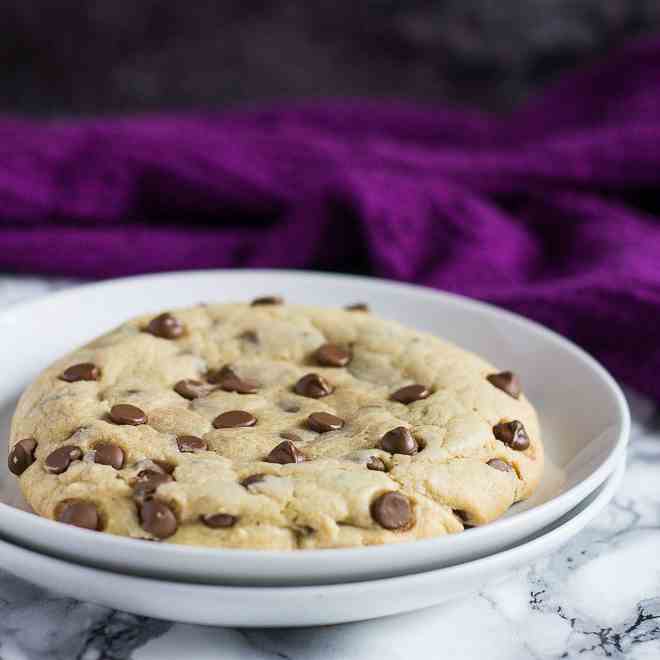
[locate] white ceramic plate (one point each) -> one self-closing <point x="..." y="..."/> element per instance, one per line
<point x="296" y="606"/>
<point x="583" y="413"/>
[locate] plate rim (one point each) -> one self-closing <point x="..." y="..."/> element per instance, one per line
<point x="607" y="491"/>
<point x="578" y="491"/>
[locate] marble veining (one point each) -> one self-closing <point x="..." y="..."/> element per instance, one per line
<point x="597" y="597"/>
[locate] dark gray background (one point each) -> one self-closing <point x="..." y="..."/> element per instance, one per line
<point x="71" y="57"/>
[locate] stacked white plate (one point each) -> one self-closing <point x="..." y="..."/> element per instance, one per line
<point x="583" y="413"/>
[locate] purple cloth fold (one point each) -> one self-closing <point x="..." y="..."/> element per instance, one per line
<point x="548" y="211"/>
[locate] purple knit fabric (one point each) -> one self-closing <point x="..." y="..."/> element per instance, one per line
<point x="538" y="212"/>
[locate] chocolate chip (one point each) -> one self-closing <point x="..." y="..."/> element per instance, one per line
<point x="234" y="419"/>
<point x="158" y="519"/>
<point x="227" y="379"/>
<point x="191" y="443"/>
<point x="148" y="482"/>
<point x="392" y="511"/>
<point x="322" y="422"/>
<point x="218" y="520"/>
<point x="506" y="381"/>
<point x="357" y="307"/>
<point x="80" y="514"/>
<point x="83" y="371"/>
<point x="21" y="456"/>
<point x="512" y="434"/>
<point x="399" y="441"/>
<point x="410" y="393"/>
<point x="125" y="413"/>
<point x="59" y="460"/>
<point x="376" y="464"/>
<point x="498" y="464"/>
<point x="192" y="389"/>
<point x="285" y="452"/>
<point x="267" y="300"/>
<point x="313" y="386"/>
<point x="107" y="453"/>
<point x="331" y="355"/>
<point x="166" y="326"/>
<point x="252" y="479"/>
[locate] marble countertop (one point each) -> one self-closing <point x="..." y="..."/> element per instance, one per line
<point x="597" y="597"/>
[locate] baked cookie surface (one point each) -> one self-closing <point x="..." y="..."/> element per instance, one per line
<point x="268" y="425"/>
